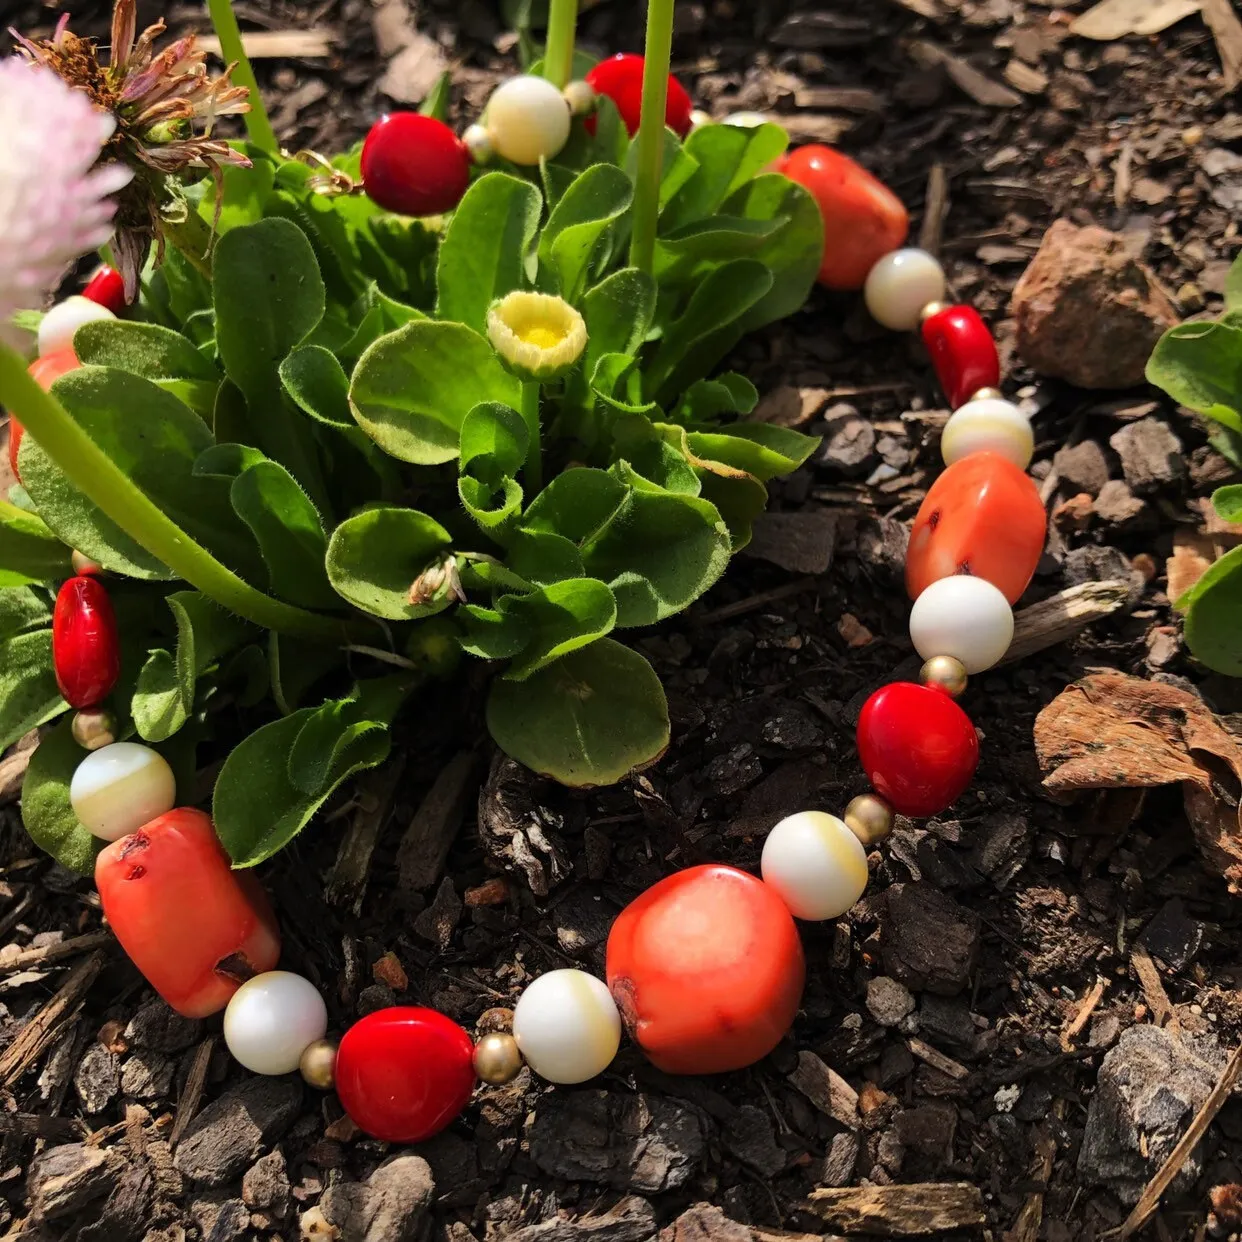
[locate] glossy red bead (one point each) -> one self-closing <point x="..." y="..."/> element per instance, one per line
<point x="918" y="747"/>
<point x="107" y="288"/>
<point x="16" y="431"/>
<point x="620" y="77"/>
<point x="982" y="516"/>
<point x="405" y="1073"/>
<point x="414" y="165"/>
<point x="86" y="653"/>
<point x="962" y="351"/>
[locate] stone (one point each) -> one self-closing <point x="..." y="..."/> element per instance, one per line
<point x="1087" y="310"/>
<point x="1149" y="1087"/>
<point x="630" y="1220"/>
<point x="633" y="1142"/>
<point x="928" y="942"/>
<point x="161" y="1029"/>
<point x="888" y="1001"/>
<point x="265" y="1187"/>
<point x="63" y="1180"/>
<point x="840" y="1160"/>
<point x="946" y="1022"/>
<point x="1117" y="504"/>
<point x="220" y="1218"/>
<point x="97" y="1078"/>
<point x="1151" y="455"/>
<point x="147" y="1075"/>
<point x="1083" y="466"/>
<point x="231" y="1132"/>
<point x="390" y="1206"/>
<point x="849" y="442"/>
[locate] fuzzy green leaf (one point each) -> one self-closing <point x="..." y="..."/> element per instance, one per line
<point x="317" y="382"/>
<point x="374" y="557"/>
<point x="761" y="449"/>
<point x="296" y="666"/>
<point x="728" y="156"/>
<point x="1212" y="607"/>
<point x="588" y="719"/>
<point x="29" y="552"/>
<point x="144" y="349"/>
<point x="413" y="388"/>
<point x="1200" y="366"/>
<point x="46" y="810"/>
<point x="1228" y="502"/>
<point x="494" y="440"/>
<point x="618" y="313"/>
<point x="28" y="692"/>
<point x="1233" y="286"/>
<point x="587" y="210"/>
<point x="22" y="608"/>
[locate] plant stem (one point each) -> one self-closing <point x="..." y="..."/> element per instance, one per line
<point x="192" y="236"/>
<point x="95" y="475"/>
<point x="558" y="56"/>
<point x="646" y="212"/>
<point x="534" y="452"/>
<point x="258" y="127"/>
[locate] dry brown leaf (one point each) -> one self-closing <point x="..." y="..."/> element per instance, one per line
<point x="1112" y="731"/>
<point x="1114" y="19"/>
<point x="1226" y="29"/>
<point x="1192" y="557"/>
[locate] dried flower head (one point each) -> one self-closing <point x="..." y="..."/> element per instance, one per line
<point x="55" y="202"/>
<point x="441" y="580"/>
<point x="164" y="106"/>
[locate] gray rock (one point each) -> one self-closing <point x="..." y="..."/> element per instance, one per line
<point x="97" y="1078"/>
<point x="220" y="1218"/>
<point x="390" y="1206"/>
<point x="159" y="1028"/>
<point x="1117" y="504"/>
<point x="947" y="1023"/>
<point x="633" y="1142"/>
<point x="231" y="1132"/>
<point x="1151" y="455"/>
<point x="64" y="1179"/>
<point x="849" y="443"/>
<point x="888" y="1001"/>
<point x="265" y="1188"/>
<point x="928" y="942"/>
<point x="147" y="1075"/>
<point x="840" y="1159"/>
<point x="631" y="1220"/>
<point x="1149" y="1087"/>
<point x="1083" y="466"/>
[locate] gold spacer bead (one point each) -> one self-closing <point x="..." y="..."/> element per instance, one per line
<point x="932" y="308"/>
<point x="497" y="1059"/>
<point x="93" y="728"/>
<point x="946" y="673"/>
<point x="82" y="564"/>
<point x="581" y="97"/>
<point x="318" y="1064"/>
<point x="869" y="818"/>
<point x="986" y="394"/>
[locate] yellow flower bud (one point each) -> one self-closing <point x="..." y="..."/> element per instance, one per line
<point x="535" y="335"/>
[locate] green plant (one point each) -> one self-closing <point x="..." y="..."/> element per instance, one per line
<point x="316" y="483"/>
<point x="1199" y="365"/>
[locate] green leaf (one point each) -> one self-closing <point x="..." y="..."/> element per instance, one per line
<point x="243" y="197"/>
<point x="413" y="388"/>
<point x="1200" y="366"/>
<point x="144" y="349"/>
<point x="592" y="204"/>
<point x="374" y="557"/>
<point x="494" y="440"/>
<point x="706" y="400"/>
<point x="29" y="695"/>
<point x="1233" y="286"/>
<point x="739" y="499"/>
<point x="22" y="608"/>
<point x="295" y="667"/>
<point x="154" y="440"/>
<point x="618" y="313"/>
<point x="317" y="382"/>
<point x="728" y="156"/>
<point x="588" y="719"/>
<point x="484" y="250"/>
<point x="1213" y="606"/>
<point x="46" y="810"/>
<point x="1228" y="502"/>
<point x="702" y="244"/>
<point x="761" y="449"/>
<point x="29" y="552"/>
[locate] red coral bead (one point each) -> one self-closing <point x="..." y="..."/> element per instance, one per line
<point x="962" y="351"/>
<point x="405" y="1073"/>
<point x="16" y="431"/>
<point x="917" y="746"/>
<point x="414" y="165"/>
<point x="45" y="372"/>
<point x="982" y="516"/>
<point x="107" y="288"/>
<point x="707" y="969"/>
<point x="863" y="219"/>
<point x="86" y="652"/>
<point x="194" y="927"/>
<point x="620" y="77"/>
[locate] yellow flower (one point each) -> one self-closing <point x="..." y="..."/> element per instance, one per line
<point x="537" y="336"/>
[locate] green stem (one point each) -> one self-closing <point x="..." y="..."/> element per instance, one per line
<point x="558" y="56"/>
<point x="192" y="236"/>
<point x="646" y="211"/>
<point x="534" y="452"/>
<point x="258" y="126"/>
<point x="95" y="475"/>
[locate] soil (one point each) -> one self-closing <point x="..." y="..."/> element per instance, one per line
<point x="1040" y="961"/>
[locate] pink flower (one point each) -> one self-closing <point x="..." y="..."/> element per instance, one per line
<point x="55" y="203"/>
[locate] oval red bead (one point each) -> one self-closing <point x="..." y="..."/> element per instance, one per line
<point x="982" y="516"/>
<point x="106" y="288"/>
<point x="414" y="165"/>
<point x="404" y="1073"/>
<point x="917" y="746"/>
<point x="86" y="653"/>
<point x="962" y="351"/>
<point x="620" y="77"/>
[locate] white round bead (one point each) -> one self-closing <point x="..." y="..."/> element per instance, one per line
<point x="816" y="865"/>
<point x="699" y="118"/>
<point x="567" y="1026"/>
<point x="57" y="329"/>
<point x="272" y="1019"/>
<point x="746" y="120"/>
<point x="988" y="425"/>
<point x="528" y="120"/>
<point x="964" y="617"/>
<point x="900" y="285"/>
<point x="580" y="96"/>
<point x="118" y="788"/>
<point x="478" y="142"/>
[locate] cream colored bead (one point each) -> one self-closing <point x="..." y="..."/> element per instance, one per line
<point x="528" y="120"/>
<point x="272" y="1019"/>
<point x="60" y="324"/>
<point x="988" y="425"/>
<point x="699" y="118"/>
<point x="118" y="788"/>
<point x="869" y="818"/>
<point x="580" y="96"/>
<point x="964" y="617"/>
<point x="816" y="865"/>
<point x="478" y="143"/>
<point x="746" y="120"/>
<point x="900" y="285"/>
<point x="567" y="1026"/>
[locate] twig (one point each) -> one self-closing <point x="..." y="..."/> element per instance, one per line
<point x="39" y="1033"/>
<point x="49" y="953"/>
<point x="1150" y="1198"/>
<point x="1059" y="618"/>
<point x="900" y="1211"/>
<point x="1031" y="1215"/>
<point x="1153" y="988"/>
<point x="1083" y="1016"/>
<point x="1226" y="29"/>
<point x="937" y="1059"/>
<point x="935" y="209"/>
<point x="192" y="1093"/>
<point x="754" y="602"/>
<point x="15" y="916"/>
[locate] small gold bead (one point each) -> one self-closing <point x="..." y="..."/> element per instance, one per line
<point x="987" y="394"/>
<point x="947" y="673"/>
<point x="497" y="1059"/>
<point x="93" y="728"/>
<point x="82" y="564"/>
<point x="318" y="1064"/>
<point x="580" y="96"/>
<point x="869" y="818"/>
<point x="932" y="308"/>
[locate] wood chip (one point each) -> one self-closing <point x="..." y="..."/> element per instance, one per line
<point x="1076" y="1025"/>
<point x="845" y="98"/>
<point x="1115" y="19"/>
<point x="900" y="1211"/>
<point x="428" y="839"/>
<point x="931" y="235"/>
<point x="937" y="1059"/>
<point x="1026" y="1226"/>
<point x="1062" y="616"/>
<point x="1026" y="78"/>
<point x="1222" y="21"/>
<point x="982" y="89"/>
<point x="375" y="793"/>
<point x="1193" y="554"/>
<point x="26" y="958"/>
<point x="802" y="542"/>
<point x="192" y="1092"/>
<point x="1153" y="986"/>
<point x="314" y="44"/>
<point x="826" y="1089"/>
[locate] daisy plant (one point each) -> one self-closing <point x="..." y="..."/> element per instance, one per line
<point x="327" y="451"/>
